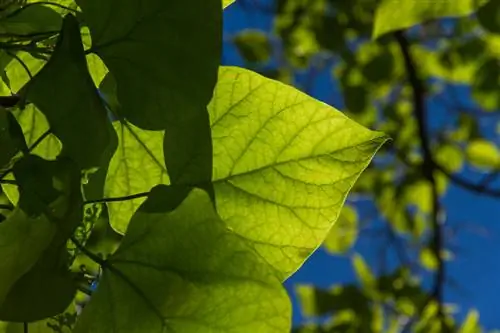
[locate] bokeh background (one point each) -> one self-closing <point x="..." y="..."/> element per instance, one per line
<point x="417" y="246"/>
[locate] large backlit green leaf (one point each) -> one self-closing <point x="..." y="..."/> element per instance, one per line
<point x="392" y="15"/>
<point x="77" y="117"/>
<point x="302" y="188"/>
<point x="151" y="48"/>
<point x="184" y="270"/>
<point x="283" y="164"/>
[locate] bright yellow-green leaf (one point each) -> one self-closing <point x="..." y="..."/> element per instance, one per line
<point x="217" y="284"/>
<point x="279" y="156"/>
<point x="483" y="154"/>
<point x="285" y="158"/>
<point x="449" y="156"/>
<point x="344" y="232"/>
<point x="136" y="166"/>
<point x="471" y="323"/>
<point x="226" y="3"/>
<point x="392" y="15"/>
<point x="428" y="259"/>
<point x="363" y="271"/>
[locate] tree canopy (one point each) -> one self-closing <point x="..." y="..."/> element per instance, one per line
<point x="148" y="187"/>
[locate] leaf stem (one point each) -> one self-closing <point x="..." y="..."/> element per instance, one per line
<point x="94" y="257"/>
<point x="125" y="198"/>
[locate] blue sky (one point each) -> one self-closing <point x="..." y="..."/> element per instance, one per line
<point x="474" y="273"/>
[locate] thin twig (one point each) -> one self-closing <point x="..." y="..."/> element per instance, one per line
<point x="6" y="207"/>
<point x="125" y="198"/>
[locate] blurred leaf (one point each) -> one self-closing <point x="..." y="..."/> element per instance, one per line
<point x="363" y="272"/>
<point x="483" y="154"/>
<point x="471" y="323"/>
<point x="253" y="45"/>
<point x="489" y="16"/>
<point x="344" y="232"/>
<point x="449" y="156"/>
<point x="428" y="259"/>
<point x="485" y="84"/>
<point x="392" y="15"/>
<point x="316" y="302"/>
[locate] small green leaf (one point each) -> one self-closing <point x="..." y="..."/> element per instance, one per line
<point x="344" y="232"/>
<point x="428" y="259"/>
<point x="285" y="158"/>
<point x="76" y="117"/>
<point x="471" y="323"/>
<point x="316" y="302"/>
<point x="218" y="284"/>
<point x="483" y="154"/>
<point x="392" y="15"/>
<point x="363" y="272"/>
<point x="253" y="45"/>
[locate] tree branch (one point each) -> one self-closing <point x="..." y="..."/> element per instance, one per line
<point x="428" y="165"/>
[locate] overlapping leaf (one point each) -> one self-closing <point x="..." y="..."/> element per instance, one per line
<point x="151" y="47"/>
<point x="76" y="117"/>
<point x="137" y="166"/>
<point x="183" y="270"/>
<point x="49" y="190"/>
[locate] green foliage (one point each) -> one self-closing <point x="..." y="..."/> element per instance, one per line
<point x="189" y="190"/>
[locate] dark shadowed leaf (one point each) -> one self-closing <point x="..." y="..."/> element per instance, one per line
<point x="50" y="189"/>
<point x="162" y="78"/>
<point x="77" y="116"/>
